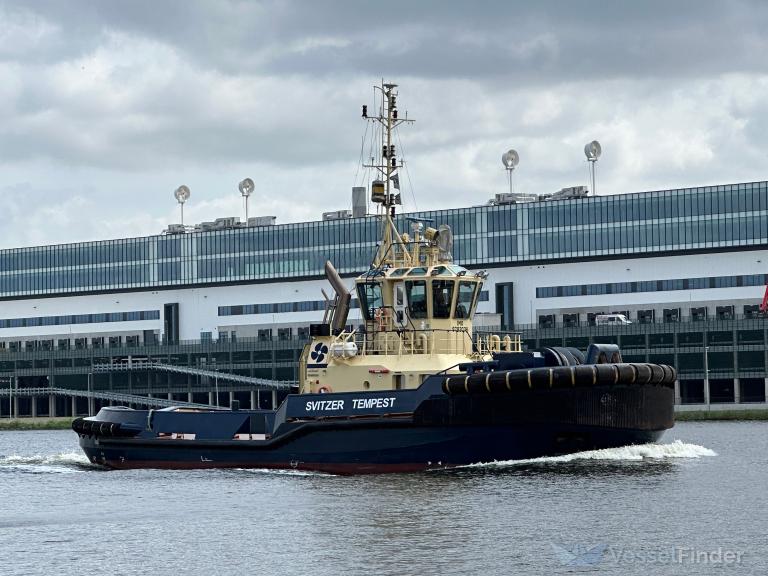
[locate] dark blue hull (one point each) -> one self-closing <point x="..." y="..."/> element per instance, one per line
<point x="367" y="449"/>
<point x="403" y="430"/>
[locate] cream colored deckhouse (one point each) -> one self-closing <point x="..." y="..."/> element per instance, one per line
<point x="417" y="306"/>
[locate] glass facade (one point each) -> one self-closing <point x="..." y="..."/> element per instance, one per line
<point x="652" y="286"/>
<point x="80" y="319"/>
<point x="300" y="306"/>
<point x="728" y="216"/>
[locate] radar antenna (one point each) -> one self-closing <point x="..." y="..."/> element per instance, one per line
<point x="510" y="159"/>
<point x="592" y="150"/>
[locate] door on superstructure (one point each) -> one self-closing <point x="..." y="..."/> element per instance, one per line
<point x="399" y="302"/>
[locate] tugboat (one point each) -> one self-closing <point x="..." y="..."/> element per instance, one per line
<point x="412" y="388"/>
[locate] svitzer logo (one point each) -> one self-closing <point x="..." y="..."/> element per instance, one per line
<point x="318" y="354"/>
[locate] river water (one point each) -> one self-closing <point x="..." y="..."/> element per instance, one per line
<point x="694" y="504"/>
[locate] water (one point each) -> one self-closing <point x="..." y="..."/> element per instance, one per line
<point x="702" y="490"/>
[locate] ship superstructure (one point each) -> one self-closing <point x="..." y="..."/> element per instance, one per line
<point x="417" y="304"/>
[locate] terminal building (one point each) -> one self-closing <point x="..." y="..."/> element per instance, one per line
<point x="686" y="267"/>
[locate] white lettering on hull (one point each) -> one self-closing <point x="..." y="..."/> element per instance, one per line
<point x="325" y="405"/>
<point x="357" y="404"/>
<point x="366" y="403"/>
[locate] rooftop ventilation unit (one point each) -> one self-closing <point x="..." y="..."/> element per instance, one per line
<point x="571" y="193"/>
<point x="261" y="221"/>
<point x="512" y="198"/>
<point x="568" y="193"/>
<point x="219" y="224"/>
<point x="337" y="215"/>
<point x="176" y="229"/>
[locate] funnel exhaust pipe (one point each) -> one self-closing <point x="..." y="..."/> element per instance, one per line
<point x="343" y="298"/>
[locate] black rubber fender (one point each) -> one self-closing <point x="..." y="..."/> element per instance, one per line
<point x="607" y="374"/>
<point x="505" y="381"/>
<point x="643" y="373"/>
<point x="568" y="356"/>
<point x="552" y="357"/>
<point x="586" y="375"/>
<point x="577" y="354"/>
<point x="627" y="373"/>
<point x="670" y="375"/>
<point x="657" y="374"/>
<point x="564" y="377"/>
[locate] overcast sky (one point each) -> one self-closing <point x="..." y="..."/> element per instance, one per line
<point x="106" y="107"/>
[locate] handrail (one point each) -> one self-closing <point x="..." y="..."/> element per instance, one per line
<point x="102" y="395"/>
<point x="131" y="365"/>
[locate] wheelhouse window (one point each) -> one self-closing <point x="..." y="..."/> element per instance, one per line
<point x="442" y="296"/>
<point x="369" y="296"/>
<point x="416" y="293"/>
<point x="466" y="298"/>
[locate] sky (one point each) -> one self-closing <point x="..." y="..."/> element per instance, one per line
<point x="107" y="107"/>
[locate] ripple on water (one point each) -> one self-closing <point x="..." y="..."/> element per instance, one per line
<point x="62" y="463"/>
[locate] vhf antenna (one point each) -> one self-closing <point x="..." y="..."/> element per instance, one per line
<point x="387" y="164"/>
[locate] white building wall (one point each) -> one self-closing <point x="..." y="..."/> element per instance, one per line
<point x="527" y="278"/>
<point x="198" y="307"/>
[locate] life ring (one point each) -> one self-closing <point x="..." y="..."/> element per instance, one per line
<point x="324" y="389"/>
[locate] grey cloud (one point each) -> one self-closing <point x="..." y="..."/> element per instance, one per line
<point x="505" y="40"/>
<point x="125" y="100"/>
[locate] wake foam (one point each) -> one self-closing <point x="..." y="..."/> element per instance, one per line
<point x="63" y="463"/>
<point x="281" y="472"/>
<point x="676" y="449"/>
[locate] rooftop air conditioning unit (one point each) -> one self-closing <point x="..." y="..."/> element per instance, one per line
<point x="224" y="223"/>
<point x="513" y="198"/>
<point x="337" y="215"/>
<point x="569" y="193"/>
<point x="262" y="221"/>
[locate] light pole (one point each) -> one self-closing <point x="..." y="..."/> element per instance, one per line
<point x="246" y="189"/>
<point x="182" y="194"/>
<point x="706" y="376"/>
<point x="592" y="150"/>
<point x="510" y="159"/>
<point x="216" y="382"/>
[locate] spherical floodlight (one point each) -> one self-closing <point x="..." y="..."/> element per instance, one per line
<point x="182" y="194"/>
<point x="593" y="150"/>
<point x="510" y="159"/>
<point x="246" y="187"/>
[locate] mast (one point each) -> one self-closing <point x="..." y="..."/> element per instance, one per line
<point x="387" y="166"/>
